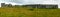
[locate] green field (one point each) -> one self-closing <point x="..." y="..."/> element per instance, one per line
<point x="26" y="12"/>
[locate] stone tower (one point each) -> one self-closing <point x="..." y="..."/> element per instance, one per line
<point x="2" y="4"/>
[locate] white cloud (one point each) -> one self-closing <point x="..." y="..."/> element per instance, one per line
<point x="50" y="2"/>
<point x="30" y="1"/>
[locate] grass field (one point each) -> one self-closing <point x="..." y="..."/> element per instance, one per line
<point x="25" y="12"/>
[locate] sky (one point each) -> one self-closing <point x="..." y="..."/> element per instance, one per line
<point x="31" y="1"/>
<point x="21" y="2"/>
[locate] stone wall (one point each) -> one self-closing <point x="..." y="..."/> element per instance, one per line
<point x="42" y="6"/>
<point x="47" y="6"/>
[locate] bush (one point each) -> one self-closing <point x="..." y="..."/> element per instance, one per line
<point x="31" y="9"/>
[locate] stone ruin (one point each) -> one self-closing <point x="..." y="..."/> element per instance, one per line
<point x="42" y="5"/>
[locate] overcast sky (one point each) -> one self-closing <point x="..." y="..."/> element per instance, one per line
<point x="31" y="1"/>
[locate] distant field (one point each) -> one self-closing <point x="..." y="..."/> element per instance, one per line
<point x="26" y="12"/>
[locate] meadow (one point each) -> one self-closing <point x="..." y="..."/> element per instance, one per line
<point x="27" y="12"/>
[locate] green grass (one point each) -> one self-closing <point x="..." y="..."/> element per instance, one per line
<point x="25" y="12"/>
<point x="48" y="12"/>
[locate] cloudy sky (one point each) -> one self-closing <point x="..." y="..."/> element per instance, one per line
<point x="31" y="2"/>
